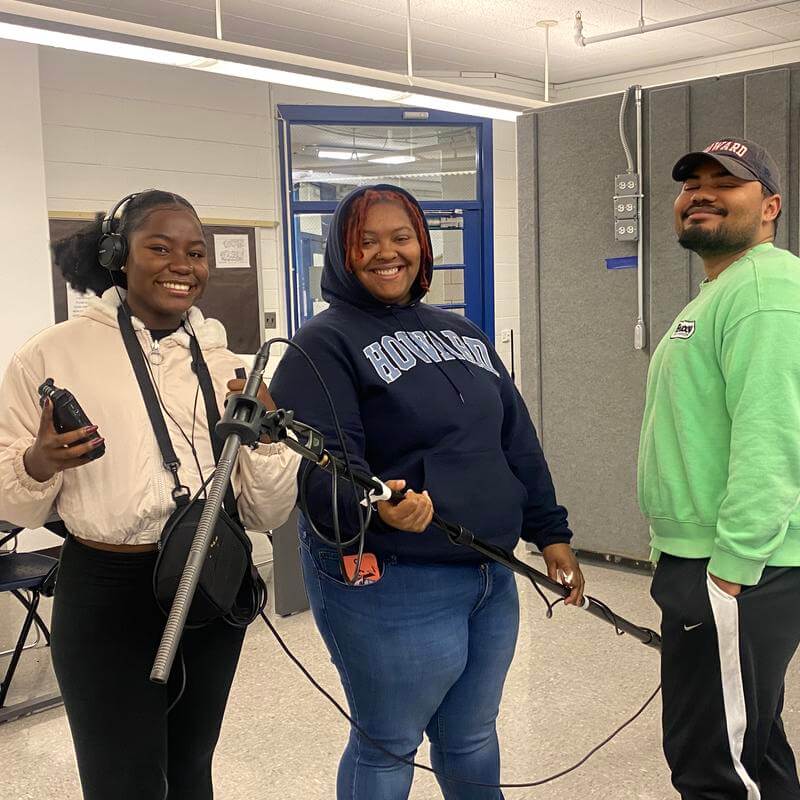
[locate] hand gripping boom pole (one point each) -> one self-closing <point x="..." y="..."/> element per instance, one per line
<point x="310" y="444"/>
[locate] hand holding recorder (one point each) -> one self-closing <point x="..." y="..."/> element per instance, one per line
<point x="66" y="438"/>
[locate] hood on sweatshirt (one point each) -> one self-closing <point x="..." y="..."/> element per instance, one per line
<point x="339" y="284"/>
<point x="210" y="333"/>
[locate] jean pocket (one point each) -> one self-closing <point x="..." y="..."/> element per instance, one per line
<point x="327" y="564"/>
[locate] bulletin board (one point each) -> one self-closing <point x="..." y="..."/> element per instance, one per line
<point x="233" y="287"/>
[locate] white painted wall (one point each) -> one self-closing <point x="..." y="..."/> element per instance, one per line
<point x="26" y="286"/>
<point x="506" y="244"/>
<point x="113" y="126"/>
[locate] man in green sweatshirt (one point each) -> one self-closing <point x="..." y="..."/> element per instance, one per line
<point x="719" y="481"/>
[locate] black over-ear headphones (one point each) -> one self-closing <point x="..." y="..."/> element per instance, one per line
<point x="112" y="247"/>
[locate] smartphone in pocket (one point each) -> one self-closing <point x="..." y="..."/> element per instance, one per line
<point x="369" y="571"/>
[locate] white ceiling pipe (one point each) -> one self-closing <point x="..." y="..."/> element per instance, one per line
<point x="547" y="24"/>
<point x="582" y="40"/>
<point x="409" y="52"/>
<point x="218" y="14"/>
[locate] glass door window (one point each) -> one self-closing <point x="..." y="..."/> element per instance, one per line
<point x="310" y="235"/>
<point x="455" y="237"/>
<point x="433" y="162"/>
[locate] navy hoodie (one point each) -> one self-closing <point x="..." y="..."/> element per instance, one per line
<point x="421" y="395"/>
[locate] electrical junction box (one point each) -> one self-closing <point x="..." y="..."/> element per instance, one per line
<point x="626" y="208"/>
<point x="626" y="230"/>
<point x="627" y="184"/>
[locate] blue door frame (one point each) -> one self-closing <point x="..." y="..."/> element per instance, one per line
<point x="480" y="211"/>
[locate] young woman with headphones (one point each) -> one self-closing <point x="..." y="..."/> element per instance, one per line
<point x="134" y="740"/>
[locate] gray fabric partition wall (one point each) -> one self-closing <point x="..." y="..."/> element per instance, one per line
<point x="582" y="379"/>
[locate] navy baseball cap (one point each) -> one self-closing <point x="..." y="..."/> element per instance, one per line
<point x="744" y="159"/>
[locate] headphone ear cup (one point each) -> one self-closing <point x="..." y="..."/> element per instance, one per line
<point x="112" y="251"/>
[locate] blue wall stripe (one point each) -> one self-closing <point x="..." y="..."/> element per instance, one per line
<point x="625" y="262"/>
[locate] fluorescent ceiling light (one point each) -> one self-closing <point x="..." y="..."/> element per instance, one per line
<point x="285" y="78"/>
<point x="342" y="155"/>
<point x="155" y="55"/>
<point x="309" y="176"/>
<point x="393" y="160"/>
<point x="88" y="44"/>
<point x="459" y="107"/>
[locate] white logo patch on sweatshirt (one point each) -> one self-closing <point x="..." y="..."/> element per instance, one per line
<point x="684" y="329"/>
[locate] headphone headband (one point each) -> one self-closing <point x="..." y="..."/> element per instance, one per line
<point x="108" y="221"/>
<point x="112" y="247"/>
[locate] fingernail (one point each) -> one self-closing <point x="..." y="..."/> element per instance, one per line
<point x="98" y="441"/>
<point x="91" y="429"/>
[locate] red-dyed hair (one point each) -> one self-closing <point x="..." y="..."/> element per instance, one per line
<point x="356" y="219"/>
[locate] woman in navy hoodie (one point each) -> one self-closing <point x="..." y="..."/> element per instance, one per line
<point x="423" y="399"/>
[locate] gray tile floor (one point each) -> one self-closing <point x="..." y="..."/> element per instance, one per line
<point x="572" y="683"/>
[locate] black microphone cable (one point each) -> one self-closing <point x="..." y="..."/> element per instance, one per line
<point x="361" y="498"/>
<point x="361" y="536"/>
<point x="425" y="767"/>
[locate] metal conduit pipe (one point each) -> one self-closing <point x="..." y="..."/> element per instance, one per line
<point x="582" y="40"/>
<point x="409" y="51"/>
<point x="640" y="332"/>
<point x="547" y="24"/>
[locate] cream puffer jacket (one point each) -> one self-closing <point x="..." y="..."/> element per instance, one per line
<point x="124" y="497"/>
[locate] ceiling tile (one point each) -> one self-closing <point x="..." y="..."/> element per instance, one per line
<point x="466" y="35"/>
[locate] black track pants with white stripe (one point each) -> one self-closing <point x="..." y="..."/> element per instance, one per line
<point x="723" y="666"/>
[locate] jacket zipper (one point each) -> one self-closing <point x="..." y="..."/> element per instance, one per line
<point x="156" y="357"/>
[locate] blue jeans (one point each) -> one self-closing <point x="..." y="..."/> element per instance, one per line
<point x="426" y="649"/>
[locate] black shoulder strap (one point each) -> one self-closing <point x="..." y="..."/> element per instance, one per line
<point x="180" y="494"/>
<point x="212" y="413"/>
<point x="200" y="368"/>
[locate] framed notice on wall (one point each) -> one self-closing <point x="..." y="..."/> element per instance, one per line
<point x="232" y="250"/>
<point x="231" y="295"/>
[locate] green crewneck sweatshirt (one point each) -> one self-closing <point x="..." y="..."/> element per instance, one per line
<point x="719" y="457"/>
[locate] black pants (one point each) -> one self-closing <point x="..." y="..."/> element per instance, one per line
<point x="723" y="666"/>
<point x="106" y="629"/>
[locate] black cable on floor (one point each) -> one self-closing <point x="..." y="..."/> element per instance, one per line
<point x="410" y="762"/>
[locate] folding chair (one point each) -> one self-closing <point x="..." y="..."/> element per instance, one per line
<point x="33" y="573"/>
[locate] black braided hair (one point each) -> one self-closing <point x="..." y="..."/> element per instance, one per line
<point x="76" y="255"/>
